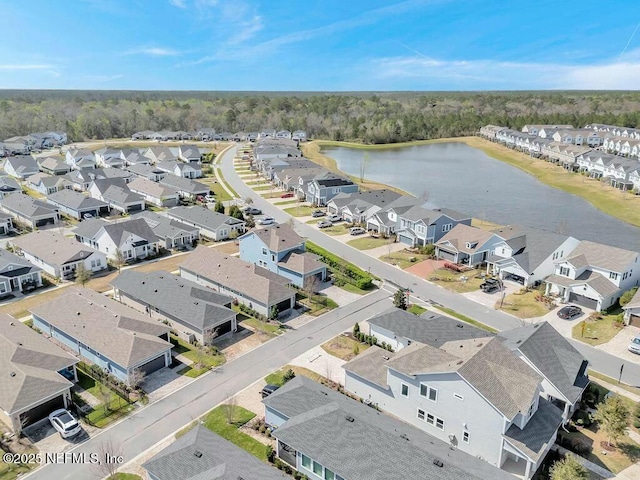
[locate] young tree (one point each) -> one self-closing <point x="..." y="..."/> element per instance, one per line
<point x="82" y="274"/>
<point x="248" y="201"/>
<point x="218" y="207"/>
<point x="310" y="286"/>
<point x="118" y="259"/>
<point x="568" y="469"/>
<point x="110" y="454"/>
<point x="613" y="417"/>
<point x="400" y="299"/>
<point x="104" y="395"/>
<point x="136" y="378"/>
<point x="235" y="212"/>
<point x="273" y="314"/>
<point x="249" y="221"/>
<point x="627" y="296"/>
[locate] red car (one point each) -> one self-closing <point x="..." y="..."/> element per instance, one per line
<point x="286" y="195"/>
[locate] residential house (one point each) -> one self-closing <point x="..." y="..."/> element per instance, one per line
<point x="252" y="136"/>
<point x="201" y="454"/>
<point x="526" y="255"/>
<point x="53" y="165"/>
<point x="594" y="275"/>
<point x="249" y="284"/>
<point x="159" y="154"/>
<point x="293" y="179"/>
<point x="28" y="211"/>
<point x="16" y="146"/>
<point x="187" y="188"/>
<point x="578" y="137"/>
<point x="632" y="311"/>
<point x="105" y="332"/>
<point x="117" y="195"/>
<point x="327" y="435"/>
<point x="81" y="179"/>
<point x="281" y="250"/>
<point x="133" y="237"/>
<point x="155" y="193"/>
<point x="78" y="205"/>
<point x="143" y="135"/>
<point x="419" y="226"/>
<point x="213" y="225"/>
<point x="47" y="184"/>
<point x="6" y="223"/>
<point x="17" y="274"/>
<point x="21" y="167"/>
<point x="299" y="135"/>
<point x="58" y="255"/>
<point x="80" y="158"/>
<point x="150" y="172"/>
<point x="267" y="133"/>
<point x="467" y="245"/>
<point x="205" y="134"/>
<point x="387" y="221"/>
<point x="174" y="234"/>
<point x="189" y="154"/>
<point x="327" y="185"/>
<point x="109" y="158"/>
<point x="197" y="313"/>
<point x="180" y="169"/>
<point x="37" y="375"/>
<point x="8" y="185"/>
<point x="535" y="129"/>
<point x="490" y="131"/>
<point x="356" y="207"/>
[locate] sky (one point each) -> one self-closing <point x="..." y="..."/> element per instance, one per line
<point x="312" y="45"/>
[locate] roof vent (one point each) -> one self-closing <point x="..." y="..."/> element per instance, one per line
<point x="438" y="463"/>
<point x="12" y="324"/>
<point x="404" y="436"/>
<point x="77" y="313"/>
<point x="19" y="344"/>
<point x="13" y="374"/>
<point x="519" y="341"/>
<point x="460" y="325"/>
<point x="385" y="357"/>
<point x="143" y="282"/>
<point x="479" y="345"/>
<point x="155" y="291"/>
<point x="349" y="418"/>
<point x="460" y="362"/>
<point x="197" y="453"/>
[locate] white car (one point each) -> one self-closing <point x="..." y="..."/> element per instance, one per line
<point x="334" y="218"/>
<point x="64" y="423"/>
<point x="634" y="346"/>
<point x="357" y="231"/>
<point x="266" y="221"/>
<point x="209" y="198"/>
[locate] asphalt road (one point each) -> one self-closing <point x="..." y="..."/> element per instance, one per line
<point x="145" y="428"/>
<point x="600" y="361"/>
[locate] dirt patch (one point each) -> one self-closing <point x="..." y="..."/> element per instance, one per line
<point x="229" y="248"/>
<point x="425" y="269"/>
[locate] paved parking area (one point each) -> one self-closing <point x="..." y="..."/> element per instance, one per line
<point x="47" y="440"/>
<point x="319" y="361"/>
<point x="163" y="382"/>
<point x="618" y="344"/>
<point x="490" y="299"/>
<point x="565" y="326"/>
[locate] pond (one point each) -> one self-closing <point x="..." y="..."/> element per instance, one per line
<point x="456" y="176"/>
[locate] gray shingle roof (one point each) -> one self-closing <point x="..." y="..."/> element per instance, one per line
<point x="599" y="283"/>
<point x="278" y="237"/>
<point x="604" y="256"/>
<point x="202" y="217"/>
<point x="188" y="302"/>
<point x="318" y="427"/>
<point x="116" y="331"/>
<point x="185" y="184"/>
<point x="118" y="231"/>
<point x="552" y="355"/>
<point x="302" y="263"/>
<point x="145" y="186"/>
<point x="533" y="440"/>
<point x="9" y="184"/>
<point x="220" y="460"/>
<point x="29" y="366"/>
<point x="635" y="301"/>
<point x="75" y="200"/>
<point x="371" y="365"/>
<point x="8" y="259"/>
<point x="116" y="190"/>
<point x="27" y="206"/>
<point x="462" y="234"/>
<point x="22" y="164"/>
<point x="53" y="248"/>
<point x="165" y="227"/>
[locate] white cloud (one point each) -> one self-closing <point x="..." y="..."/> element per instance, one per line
<point x="178" y="3"/>
<point x="247" y="29"/>
<point x="153" y="52"/>
<point x="493" y="74"/>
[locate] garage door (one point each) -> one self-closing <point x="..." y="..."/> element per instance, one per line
<point x="634" y="321"/>
<point x="284" y="305"/>
<point x="582" y="300"/>
<point x="153" y="365"/>
<point x="405" y="240"/>
<point x="222" y="329"/>
<point x="447" y="255"/>
<point x="45" y="221"/>
<point x="135" y="208"/>
<point x="41" y="411"/>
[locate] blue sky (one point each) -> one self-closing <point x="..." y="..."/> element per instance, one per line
<point x="320" y="45"/>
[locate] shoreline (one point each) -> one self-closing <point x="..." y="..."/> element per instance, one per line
<point x="623" y="206"/>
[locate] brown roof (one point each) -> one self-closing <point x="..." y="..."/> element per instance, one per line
<point x="462" y="234"/>
<point x="598" y="282"/>
<point x="116" y="331"/>
<point x="147" y="187"/>
<point x="53" y="248"/>
<point x="302" y="263"/>
<point x="280" y="237"/>
<point x="604" y="256"/>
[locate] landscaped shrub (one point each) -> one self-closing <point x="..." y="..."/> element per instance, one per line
<point x="636" y="423"/>
<point x="582" y="418"/>
<point x="352" y="274"/>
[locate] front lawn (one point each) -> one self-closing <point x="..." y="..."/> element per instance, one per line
<point x="317" y="305"/>
<point x="345" y="348"/>
<point x="286" y="202"/>
<point x="598" y="328"/>
<point x="340" y="228"/>
<point x="269" y="328"/>
<point x="301" y="210"/>
<point x="125" y="476"/>
<point x="11" y="471"/>
<point x="368" y="242"/>
<point x="192" y="353"/>
<point x="218" y="421"/>
<point x="403" y="258"/>
<point x="192" y="372"/>
<point x="263" y="188"/>
<point x="523" y="305"/>
<point x="457" y="282"/>
<point x="218" y="190"/>
<point x="112" y="407"/>
<point x="271" y="195"/>
<point x="277" y="377"/>
<point x="416" y="309"/>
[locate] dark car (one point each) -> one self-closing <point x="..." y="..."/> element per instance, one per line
<point x="569" y="312"/>
<point x="252" y="211"/>
<point x="490" y="285"/>
<point x="287" y="195"/>
<point x="318" y="213"/>
<point x="268" y="390"/>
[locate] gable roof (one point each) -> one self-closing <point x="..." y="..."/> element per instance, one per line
<point x="75" y="200"/>
<point x="461" y="234"/>
<point x="150" y="188"/>
<point x="192" y="304"/>
<point x="53" y="248"/>
<point x="22" y="164"/>
<point x="9" y="184"/>
<point x="116" y="190"/>
<point x="379" y="198"/>
<point x="603" y="256"/>
<point x="116" y="331"/>
<point x="302" y="263"/>
<point x="117" y="231"/>
<point x="189" y="151"/>
<point x="202" y="217"/>
<point x="29" y="366"/>
<point x="159" y="154"/>
<point x="552" y="355"/>
<point x="27" y="206"/>
<point x="52" y="163"/>
<point x="319" y="425"/>
<point x="278" y="237"/>
<point x="165" y="227"/>
<point x="10" y="260"/>
<point x="185" y="184"/>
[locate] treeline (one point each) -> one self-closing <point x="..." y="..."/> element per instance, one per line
<point x="358" y="116"/>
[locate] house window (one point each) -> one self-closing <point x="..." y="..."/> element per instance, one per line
<point x="564" y="271"/>
<point x="431" y="419"/>
<point x="306" y="462"/>
<point x="440" y="423"/>
<point x="458" y="396"/>
<point x="465" y="437"/>
<point x="531" y="409"/>
<point x="98" y="263"/>
<point x="273" y="258"/>
<point x="317" y="468"/>
<point x="405" y="390"/>
<point x="93" y="264"/>
<point x="421" y="414"/>
<point x="264" y="251"/>
<point x="446" y="227"/>
<point x="429" y="392"/>
<point x="613" y="275"/>
<point x="329" y="475"/>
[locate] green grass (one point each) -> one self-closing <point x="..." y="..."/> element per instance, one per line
<point x="349" y="287"/>
<point x="340" y="228"/>
<point x="344" y="348"/>
<point x="11" y="471"/>
<point x="416" y="309"/>
<point x="263" y="188"/>
<point x="367" y="242"/>
<point x="192" y="372"/>
<point x="403" y="258"/>
<point x="523" y="305"/>
<point x="599" y="328"/>
<point x="98" y="416"/>
<point x="271" y="195"/>
<point x="268" y="328"/>
<point x="217" y="421"/>
<point x="318" y="305"/>
<point x="614" y="381"/>
<point x="189" y="351"/>
<point x="125" y="476"/>
<point x="466" y="319"/>
<point x="227" y="183"/>
<point x="455" y="282"/>
<point x="301" y="210"/>
<point x="277" y="377"/>
<point x="218" y="190"/>
<point x="287" y="202"/>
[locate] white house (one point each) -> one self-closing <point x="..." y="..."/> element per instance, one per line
<point x="155" y="193"/>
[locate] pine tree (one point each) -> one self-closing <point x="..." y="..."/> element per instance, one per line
<point x="400" y="299"/>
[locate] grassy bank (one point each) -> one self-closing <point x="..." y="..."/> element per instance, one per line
<point x="614" y="202"/>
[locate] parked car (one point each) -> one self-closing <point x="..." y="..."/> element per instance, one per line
<point x="200" y="198"/>
<point x="64" y="423"/>
<point x="210" y="198"/>
<point x="569" y="312"/>
<point x="490" y="285"/>
<point x="252" y="211"/>
<point x="357" y="231"/>
<point x="266" y="221"/>
<point x="324" y="224"/>
<point x="287" y="195"/>
<point x="318" y="213"/>
<point x="87" y="216"/>
<point x="268" y="390"/>
<point x="634" y="346"/>
<point x="334" y="218"/>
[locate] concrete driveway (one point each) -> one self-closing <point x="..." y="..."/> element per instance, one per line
<point x="490" y="299"/>
<point x="47" y="440"/>
<point x="164" y="382"/>
<point x="319" y="361"/>
<point x="618" y="344"/>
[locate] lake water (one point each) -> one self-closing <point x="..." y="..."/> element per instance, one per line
<point x="456" y="176"/>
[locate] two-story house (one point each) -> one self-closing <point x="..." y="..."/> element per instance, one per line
<point x="467" y="245"/>
<point x="594" y="275"/>
<point x="159" y="154"/>
<point x="356" y="207"/>
<point x="527" y="255"/>
<point x="387" y="221"/>
<point x="421" y="226"/>
<point x="327" y="185"/>
<point x="181" y="169"/>
<point x="109" y="158"/>
<point x="281" y="250"/>
<point x="189" y="154"/>
<point x="80" y="158"/>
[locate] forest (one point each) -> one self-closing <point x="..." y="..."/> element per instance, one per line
<point x="369" y="117"/>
